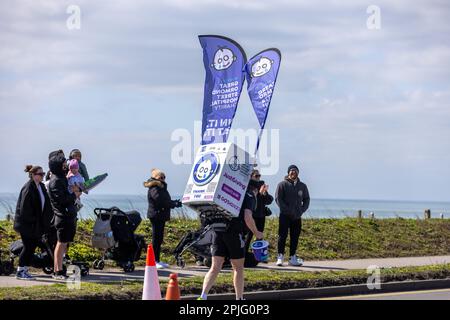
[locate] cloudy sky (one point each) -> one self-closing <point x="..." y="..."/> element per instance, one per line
<point x="364" y="113"/>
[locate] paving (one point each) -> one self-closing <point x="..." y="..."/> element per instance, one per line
<point x="117" y="275"/>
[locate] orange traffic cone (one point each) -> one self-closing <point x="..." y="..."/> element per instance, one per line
<point x="151" y="291"/>
<point x="173" y="291"/>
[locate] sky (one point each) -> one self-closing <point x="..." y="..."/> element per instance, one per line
<point x="363" y="112"/>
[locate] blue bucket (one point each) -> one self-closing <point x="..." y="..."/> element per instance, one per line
<point x="260" y="250"/>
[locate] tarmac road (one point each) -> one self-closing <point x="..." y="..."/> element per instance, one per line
<point x="441" y="294"/>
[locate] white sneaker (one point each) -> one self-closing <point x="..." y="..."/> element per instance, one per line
<point x="295" y="261"/>
<point x="165" y="265"/>
<point x="280" y="260"/>
<point x="159" y="265"/>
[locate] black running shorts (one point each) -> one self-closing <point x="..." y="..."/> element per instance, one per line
<point x="65" y="228"/>
<point x="228" y="244"/>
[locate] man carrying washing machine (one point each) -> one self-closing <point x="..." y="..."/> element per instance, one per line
<point x="230" y="243"/>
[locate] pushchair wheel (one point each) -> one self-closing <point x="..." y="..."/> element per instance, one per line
<point x="8" y="268"/>
<point x="181" y="263"/>
<point x="99" y="264"/>
<point x="207" y="262"/>
<point x="47" y="270"/>
<point x="129" y="267"/>
<point x="84" y="271"/>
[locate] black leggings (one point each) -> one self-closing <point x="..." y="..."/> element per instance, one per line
<point x="260" y="223"/>
<point x="29" y="247"/>
<point x="157" y="236"/>
<point x="287" y="224"/>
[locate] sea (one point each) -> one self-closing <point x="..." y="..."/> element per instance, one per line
<point x="319" y="208"/>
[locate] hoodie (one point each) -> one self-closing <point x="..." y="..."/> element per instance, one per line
<point x="292" y="197"/>
<point x="62" y="201"/>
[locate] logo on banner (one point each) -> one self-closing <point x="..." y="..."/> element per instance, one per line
<point x="261" y="67"/>
<point x="223" y="58"/>
<point x="233" y="163"/>
<point x="205" y="169"/>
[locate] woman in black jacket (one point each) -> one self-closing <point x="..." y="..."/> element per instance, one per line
<point x="263" y="199"/>
<point x="63" y="204"/>
<point x="32" y="219"/>
<point x="159" y="206"/>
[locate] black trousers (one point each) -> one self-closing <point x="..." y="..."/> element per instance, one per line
<point x="260" y="224"/>
<point x="29" y="247"/>
<point x="294" y="227"/>
<point x="157" y="236"/>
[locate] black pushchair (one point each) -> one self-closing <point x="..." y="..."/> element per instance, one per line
<point x="114" y="235"/>
<point x="199" y="242"/>
<point x="44" y="259"/>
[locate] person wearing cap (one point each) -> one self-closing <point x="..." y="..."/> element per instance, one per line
<point x="229" y="243"/>
<point x="76" y="154"/>
<point x="292" y="197"/>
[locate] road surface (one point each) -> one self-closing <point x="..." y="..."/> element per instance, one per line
<point x="441" y="294"/>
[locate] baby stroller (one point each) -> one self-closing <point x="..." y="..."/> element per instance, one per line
<point x="113" y="233"/>
<point x="199" y="242"/>
<point x="44" y="259"/>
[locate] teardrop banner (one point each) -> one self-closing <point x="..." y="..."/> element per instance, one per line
<point x="224" y="61"/>
<point x="261" y="73"/>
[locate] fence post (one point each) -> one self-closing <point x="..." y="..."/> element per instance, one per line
<point x="360" y="214"/>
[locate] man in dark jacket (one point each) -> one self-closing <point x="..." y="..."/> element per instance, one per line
<point x="292" y="197"/>
<point x="159" y="206"/>
<point x="64" y="209"/>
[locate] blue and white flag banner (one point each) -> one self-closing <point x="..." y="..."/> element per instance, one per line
<point x="261" y="72"/>
<point x="224" y="61"/>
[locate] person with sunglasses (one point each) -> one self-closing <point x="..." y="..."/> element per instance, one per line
<point x="263" y="199"/>
<point x="159" y="206"/>
<point x="32" y="219"/>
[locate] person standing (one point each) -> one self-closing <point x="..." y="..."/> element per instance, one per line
<point x="263" y="199"/>
<point x="65" y="213"/>
<point x="32" y="218"/>
<point x="159" y="206"/>
<point x="230" y="243"/>
<point x="292" y="197"/>
<point x="76" y="154"/>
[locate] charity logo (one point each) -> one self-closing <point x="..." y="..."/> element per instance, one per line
<point x="223" y="58"/>
<point x="205" y="169"/>
<point x="261" y="67"/>
<point x="233" y="163"/>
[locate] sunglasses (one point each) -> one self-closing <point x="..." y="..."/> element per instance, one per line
<point x="257" y="176"/>
<point x="40" y="174"/>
